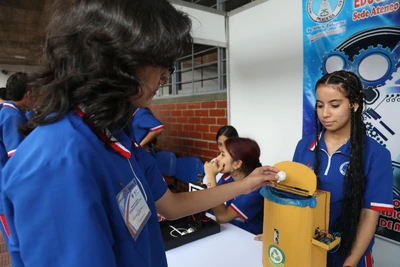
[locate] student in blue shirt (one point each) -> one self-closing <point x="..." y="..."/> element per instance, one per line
<point x="239" y="157"/>
<point x="353" y="167"/>
<point x="223" y="133"/>
<point x="12" y="115"/>
<point x="146" y="128"/>
<point x="77" y="192"/>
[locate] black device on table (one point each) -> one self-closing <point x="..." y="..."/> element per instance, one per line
<point x="188" y="229"/>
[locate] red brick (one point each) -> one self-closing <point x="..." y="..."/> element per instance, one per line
<point x="214" y="128"/>
<point x="170" y="107"/>
<point x="209" y="104"/>
<point x="163" y="107"/>
<point x="217" y="113"/>
<point x="181" y="106"/>
<point x="3" y="248"/>
<point x="5" y="259"/>
<point x="171" y="119"/>
<point x="221" y="104"/>
<point x="188" y="142"/>
<point x="188" y="127"/>
<point x="182" y="119"/>
<point x="210" y="153"/>
<point x="196" y="151"/>
<point x="176" y="113"/>
<point x="194" y="120"/>
<point x="187" y="113"/>
<point x="201" y="113"/>
<point x="176" y="126"/>
<point x="171" y="133"/>
<point x="165" y="113"/>
<point x="195" y="135"/>
<point x="209" y="120"/>
<point x="183" y="134"/>
<point x="213" y="146"/>
<point x="202" y="128"/>
<point x="201" y="144"/>
<point x="209" y="136"/>
<point x="222" y="121"/>
<point x="154" y="108"/>
<point x="194" y="105"/>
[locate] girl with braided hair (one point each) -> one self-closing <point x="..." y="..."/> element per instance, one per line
<point x="353" y="167"/>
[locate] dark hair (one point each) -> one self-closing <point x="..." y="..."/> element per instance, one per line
<point x="354" y="180"/>
<point x="246" y="150"/>
<point x="16" y="86"/>
<point x="3" y="93"/>
<point x="228" y="131"/>
<point x="93" y="50"/>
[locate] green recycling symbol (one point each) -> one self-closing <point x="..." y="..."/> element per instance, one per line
<point x="276" y="256"/>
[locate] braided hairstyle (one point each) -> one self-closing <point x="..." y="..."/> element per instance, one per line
<point x="354" y="180"/>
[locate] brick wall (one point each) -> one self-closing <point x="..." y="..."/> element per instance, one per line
<point x="4" y="256"/>
<point x="190" y="127"/>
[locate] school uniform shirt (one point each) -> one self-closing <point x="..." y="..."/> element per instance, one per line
<point x="10" y="117"/>
<point x="144" y="122"/>
<point x="379" y="180"/>
<point x="60" y="191"/>
<point x="249" y="208"/>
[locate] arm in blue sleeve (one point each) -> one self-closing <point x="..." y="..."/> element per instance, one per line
<point x="11" y="136"/>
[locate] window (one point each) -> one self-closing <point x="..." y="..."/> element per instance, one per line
<point x="201" y="70"/>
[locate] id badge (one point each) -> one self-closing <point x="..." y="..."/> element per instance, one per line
<point x="133" y="208"/>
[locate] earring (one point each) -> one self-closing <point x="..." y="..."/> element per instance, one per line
<point x="351" y="105"/>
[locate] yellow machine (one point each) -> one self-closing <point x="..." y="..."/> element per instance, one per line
<point x="296" y="220"/>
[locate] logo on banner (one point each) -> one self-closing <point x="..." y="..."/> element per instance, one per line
<point x="324" y="10"/>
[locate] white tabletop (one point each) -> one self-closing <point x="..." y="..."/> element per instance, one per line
<point x="232" y="247"/>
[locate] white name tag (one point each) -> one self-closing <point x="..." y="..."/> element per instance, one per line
<point x="133" y="208"/>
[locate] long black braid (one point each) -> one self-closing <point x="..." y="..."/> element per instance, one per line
<point x="354" y="180"/>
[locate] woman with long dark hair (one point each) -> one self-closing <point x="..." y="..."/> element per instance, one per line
<point x="238" y="157"/>
<point x="77" y="192"/>
<point x="353" y="167"/>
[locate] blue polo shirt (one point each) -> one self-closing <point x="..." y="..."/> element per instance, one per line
<point x="60" y="191"/>
<point x="377" y="169"/>
<point x="144" y="122"/>
<point x="249" y="208"/>
<point x="10" y="117"/>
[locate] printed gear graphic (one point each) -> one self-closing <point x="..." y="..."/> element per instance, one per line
<point x="335" y="53"/>
<point x="378" y="50"/>
<point x="369" y="126"/>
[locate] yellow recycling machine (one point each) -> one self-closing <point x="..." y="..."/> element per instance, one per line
<point x="296" y="220"/>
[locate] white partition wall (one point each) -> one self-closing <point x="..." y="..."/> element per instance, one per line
<point x="265" y="90"/>
<point x="206" y="26"/>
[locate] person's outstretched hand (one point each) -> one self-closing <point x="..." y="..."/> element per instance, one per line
<point x="258" y="237"/>
<point x="260" y="177"/>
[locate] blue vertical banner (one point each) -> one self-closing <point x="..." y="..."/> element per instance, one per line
<point x="362" y="36"/>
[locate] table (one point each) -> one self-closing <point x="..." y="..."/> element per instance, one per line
<point x="232" y="247"/>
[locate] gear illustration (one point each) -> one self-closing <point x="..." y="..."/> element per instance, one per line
<point x="369" y="126"/>
<point x="333" y="61"/>
<point x="375" y="51"/>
